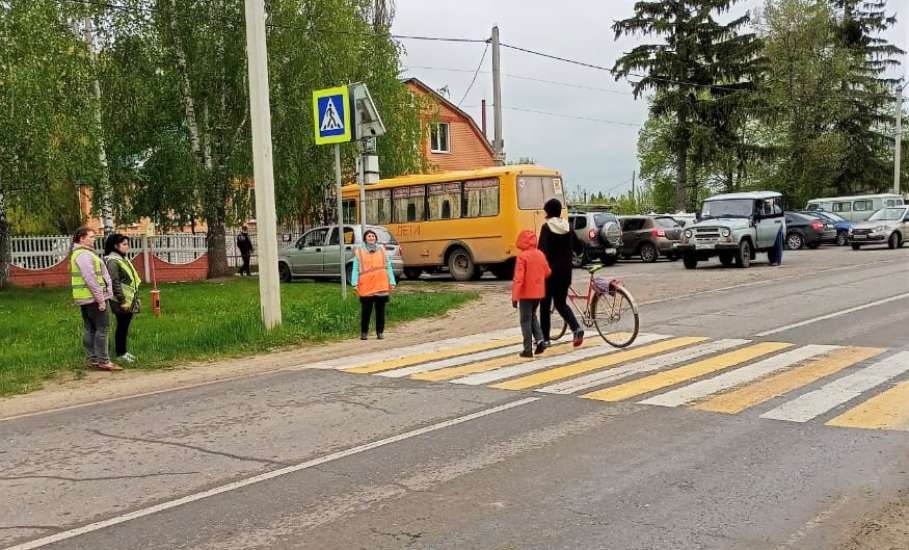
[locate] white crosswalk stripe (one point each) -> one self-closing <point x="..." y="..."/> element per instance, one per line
<point x="840" y="391"/>
<point x="737" y="377"/>
<point x="544" y="363"/>
<point x="454" y="361"/>
<point x="638" y="367"/>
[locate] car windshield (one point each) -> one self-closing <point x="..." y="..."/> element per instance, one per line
<point x="728" y="208"/>
<point x="668" y="223"/>
<point x="888" y="215"/>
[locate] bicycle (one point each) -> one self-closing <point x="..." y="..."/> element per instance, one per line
<point x="607" y="305"/>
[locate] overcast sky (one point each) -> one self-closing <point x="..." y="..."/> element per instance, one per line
<point x="595" y="154"/>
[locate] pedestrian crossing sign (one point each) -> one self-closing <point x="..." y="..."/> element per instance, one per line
<point x="331" y="114"/>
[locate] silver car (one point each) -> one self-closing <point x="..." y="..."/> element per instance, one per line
<point x="887" y="225"/>
<point x="316" y="253"/>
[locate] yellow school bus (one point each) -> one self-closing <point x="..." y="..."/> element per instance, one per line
<point x="463" y="222"/>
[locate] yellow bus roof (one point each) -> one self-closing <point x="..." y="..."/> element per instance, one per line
<point x="459" y="175"/>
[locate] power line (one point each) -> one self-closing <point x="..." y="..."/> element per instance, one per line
<point x="529" y="78"/>
<point x="475" y="74"/>
<point x="563" y="115"/>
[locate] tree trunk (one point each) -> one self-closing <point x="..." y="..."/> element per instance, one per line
<point x="217" y="245"/>
<point x="6" y="246"/>
<point x="681" y="183"/>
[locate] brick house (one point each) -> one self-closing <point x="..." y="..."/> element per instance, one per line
<point x="454" y="141"/>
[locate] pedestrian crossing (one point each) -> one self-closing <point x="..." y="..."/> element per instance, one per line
<point x="839" y="386"/>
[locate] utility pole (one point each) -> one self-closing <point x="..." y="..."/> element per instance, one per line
<point x="633" y="175"/>
<point x="898" y="139"/>
<point x="498" y="145"/>
<point x="107" y="214"/>
<point x="260" y="114"/>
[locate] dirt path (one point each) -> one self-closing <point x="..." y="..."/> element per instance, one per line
<point x="886" y="530"/>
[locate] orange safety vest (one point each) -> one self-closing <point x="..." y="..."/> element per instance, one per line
<point x="373" y="272"/>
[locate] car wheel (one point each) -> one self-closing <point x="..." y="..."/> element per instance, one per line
<point x="743" y="256"/>
<point x="727" y="259"/>
<point x="649" y="253"/>
<point x="814" y="246"/>
<point x="841" y="239"/>
<point x="856" y="246"/>
<point x="284" y="273"/>
<point x="690" y="261"/>
<point x="461" y="265"/>
<point x="609" y="259"/>
<point x="894" y="241"/>
<point x="794" y="241"/>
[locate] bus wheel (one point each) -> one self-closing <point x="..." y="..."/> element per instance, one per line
<point x="412" y="273"/>
<point x="503" y="271"/>
<point x="461" y="265"/>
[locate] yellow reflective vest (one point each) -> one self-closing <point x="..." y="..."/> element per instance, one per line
<point x="81" y="292"/>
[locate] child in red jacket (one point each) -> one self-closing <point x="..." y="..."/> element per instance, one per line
<point x="528" y="288"/>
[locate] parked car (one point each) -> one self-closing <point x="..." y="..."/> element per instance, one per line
<point x="684" y="219"/>
<point x="601" y="235"/>
<point x="858" y="208"/>
<point x="734" y="227"/>
<point x="887" y="225"/>
<point x="841" y="224"/>
<point x="650" y="237"/>
<point x="316" y="255"/>
<point x="808" y="230"/>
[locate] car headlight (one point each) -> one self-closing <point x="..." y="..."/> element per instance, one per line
<point x="689" y="234"/>
<point x="725" y="233"/>
<point x="879" y="229"/>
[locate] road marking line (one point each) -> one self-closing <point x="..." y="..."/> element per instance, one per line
<point x="886" y="411"/>
<point x="647" y="365"/>
<point x="681" y="374"/>
<point x="453" y="362"/>
<point x="840" y="391"/>
<point x="737" y="377"/>
<point x="72" y="533"/>
<point x="598" y="350"/>
<point x="833" y="315"/>
<point x="737" y="400"/>
<point x="434" y="355"/>
<point x="558" y="373"/>
<point x="439" y="375"/>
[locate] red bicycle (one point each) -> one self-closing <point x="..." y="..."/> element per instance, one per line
<point x="607" y="305"/>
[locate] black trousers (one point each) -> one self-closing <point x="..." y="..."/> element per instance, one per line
<point x="122" y="332"/>
<point x="557" y="293"/>
<point x="245" y="267"/>
<point x="366" y="306"/>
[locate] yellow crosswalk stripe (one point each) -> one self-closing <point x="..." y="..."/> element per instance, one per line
<point x="681" y="374"/>
<point x="886" y="411"/>
<point x="483" y="366"/>
<point x="416" y="359"/>
<point x="739" y="399"/>
<point x="547" y="376"/>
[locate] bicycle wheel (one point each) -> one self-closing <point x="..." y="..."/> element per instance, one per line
<point x="557" y="325"/>
<point x="616" y="317"/>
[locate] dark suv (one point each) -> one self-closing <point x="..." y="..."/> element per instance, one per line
<point x="650" y="237"/>
<point x="601" y="235"/>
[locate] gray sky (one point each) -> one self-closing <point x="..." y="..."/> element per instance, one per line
<point x="594" y="154"/>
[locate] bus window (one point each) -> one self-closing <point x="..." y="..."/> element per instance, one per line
<point x="552" y="188"/>
<point x="863" y="206"/>
<point x="481" y="198"/>
<point x="445" y="201"/>
<point x="349" y="207"/>
<point x="530" y="193"/>
<point x="842" y="207"/>
<point x="409" y="204"/>
<point x="378" y="207"/>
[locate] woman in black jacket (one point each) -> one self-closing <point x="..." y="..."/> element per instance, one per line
<point x="557" y="242"/>
<point x="125" y="281"/>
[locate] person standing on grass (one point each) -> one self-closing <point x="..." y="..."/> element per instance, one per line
<point x="125" y="286"/>
<point x="92" y="288"/>
<point x="557" y="242"/>
<point x="374" y="279"/>
<point x="529" y="287"/>
<point x="244" y="245"/>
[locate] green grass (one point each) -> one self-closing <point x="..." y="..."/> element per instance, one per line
<point x="40" y="329"/>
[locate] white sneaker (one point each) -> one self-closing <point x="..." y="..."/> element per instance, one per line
<point x="127" y="358"/>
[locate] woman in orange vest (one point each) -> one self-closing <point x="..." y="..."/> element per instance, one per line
<point x="374" y="279"/>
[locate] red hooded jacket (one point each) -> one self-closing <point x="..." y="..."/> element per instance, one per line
<point x="530" y="270"/>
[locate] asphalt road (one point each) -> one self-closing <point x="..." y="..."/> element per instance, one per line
<point x="322" y="458"/>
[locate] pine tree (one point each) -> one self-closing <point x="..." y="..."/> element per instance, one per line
<point x="700" y="70"/>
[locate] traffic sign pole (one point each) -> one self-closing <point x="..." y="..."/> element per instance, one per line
<point x="341" y="256"/>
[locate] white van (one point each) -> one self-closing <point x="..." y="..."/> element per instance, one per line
<point x="858" y="208"/>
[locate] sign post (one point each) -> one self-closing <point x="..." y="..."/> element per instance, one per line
<point x="331" y="117"/>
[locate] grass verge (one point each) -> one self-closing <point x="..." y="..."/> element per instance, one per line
<point x="41" y="331"/>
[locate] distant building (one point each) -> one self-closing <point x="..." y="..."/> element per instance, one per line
<point x="453" y="140"/>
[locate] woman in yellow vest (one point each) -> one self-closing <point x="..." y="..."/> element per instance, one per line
<point x="125" y="283"/>
<point x="374" y="279"/>
<point x="91" y="286"/>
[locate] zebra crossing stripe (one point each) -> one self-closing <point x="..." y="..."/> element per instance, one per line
<point x="886" y="411"/>
<point x="688" y="372"/>
<point x="840" y="391"/>
<point x="647" y="365"/>
<point x="739" y="399"/>
<point x="483" y="366"/>
<point x="737" y="377"/>
<point x="433" y="355"/>
<point x="558" y="373"/>
<point x="597" y="349"/>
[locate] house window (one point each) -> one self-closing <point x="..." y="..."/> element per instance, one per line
<point x="438" y="138"/>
